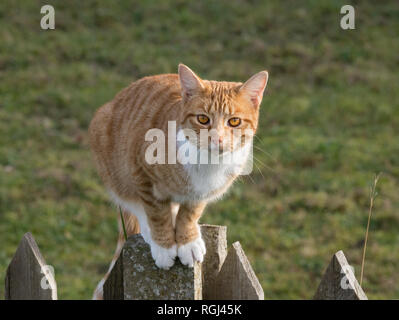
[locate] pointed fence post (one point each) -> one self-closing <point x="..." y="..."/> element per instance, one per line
<point x="216" y="252"/>
<point x="28" y="276"/>
<point x="136" y="277"/>
<point x="339" y="282"/>
<point x="222" y="275"/>
<point x="237" y="280"/>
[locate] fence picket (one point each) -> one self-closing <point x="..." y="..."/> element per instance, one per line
<point x="339" y="282"/>
<point x="216" y="252"/>
<point x="236" y="280"/>
<point x="135" y="276"/>
<point x="28" y="276"/>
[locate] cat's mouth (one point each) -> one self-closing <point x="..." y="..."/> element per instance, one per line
<point x="219" y="150"/>
<point x="213" y="150"/>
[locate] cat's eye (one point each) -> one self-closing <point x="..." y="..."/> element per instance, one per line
<point x="234" y="122"/>
<point x="203" y="119"/>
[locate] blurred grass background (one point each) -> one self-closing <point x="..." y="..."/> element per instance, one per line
<point x="329" y="122"/>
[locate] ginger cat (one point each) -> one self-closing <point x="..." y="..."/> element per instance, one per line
<point x="168" y="199"/>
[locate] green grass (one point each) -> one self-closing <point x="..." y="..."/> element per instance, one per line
<point x="329" y="122"/>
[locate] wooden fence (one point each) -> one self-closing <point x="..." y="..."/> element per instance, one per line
<point x="225" y="274"/>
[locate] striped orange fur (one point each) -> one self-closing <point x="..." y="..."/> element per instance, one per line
<point x="168" y="199"/>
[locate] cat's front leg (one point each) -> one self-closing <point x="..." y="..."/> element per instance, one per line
<point x="190" y="246"/>
<point x="162" y="235"/>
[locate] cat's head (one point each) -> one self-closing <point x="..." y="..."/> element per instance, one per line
<point x="229" y="110"/>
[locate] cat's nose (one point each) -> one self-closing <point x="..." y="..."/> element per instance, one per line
<point x="217" y="140"/>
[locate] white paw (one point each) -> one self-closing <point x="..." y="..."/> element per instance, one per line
<point x="192" y="251"/>
<point x="164" y="257"/>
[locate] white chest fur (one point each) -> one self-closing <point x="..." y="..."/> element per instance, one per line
<point x="208" y="179"/>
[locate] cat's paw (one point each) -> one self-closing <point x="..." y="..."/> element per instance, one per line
<point x="164" y="257"/>
<point x="193" y="251"/>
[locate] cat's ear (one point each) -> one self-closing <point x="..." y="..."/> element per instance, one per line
<point x="190" y="83"/>
<point x="254" y="87"/>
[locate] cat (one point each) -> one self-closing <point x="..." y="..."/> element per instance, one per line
<point x="167" y="199"/>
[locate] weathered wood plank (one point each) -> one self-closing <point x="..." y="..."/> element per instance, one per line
<point x="28" y="276"/>
<point x="216" y="252"/>
<point x="136" y="277"/>
<point x="237" y="280"/>
<point x="339" y="282"/>
<point x="113" y="286"/>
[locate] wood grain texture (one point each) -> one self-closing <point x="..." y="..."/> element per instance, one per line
<point x="27" y="276"/>
<point x="339" y="282"/>
<point x="216" y="252"/>
<point x="236" y="280"/>
<point x="113" y="287"/>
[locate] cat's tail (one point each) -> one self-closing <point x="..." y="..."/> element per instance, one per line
<point x="132" y="227"/>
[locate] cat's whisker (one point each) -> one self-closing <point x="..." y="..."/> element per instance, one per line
<point x="240" y="179"/>
<point x="264" y="152"/>
<point x="264" y="164"/>
<point x="260" y="171"/>
<point x="250" y="178"/>
<point x="268" y="154"/>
